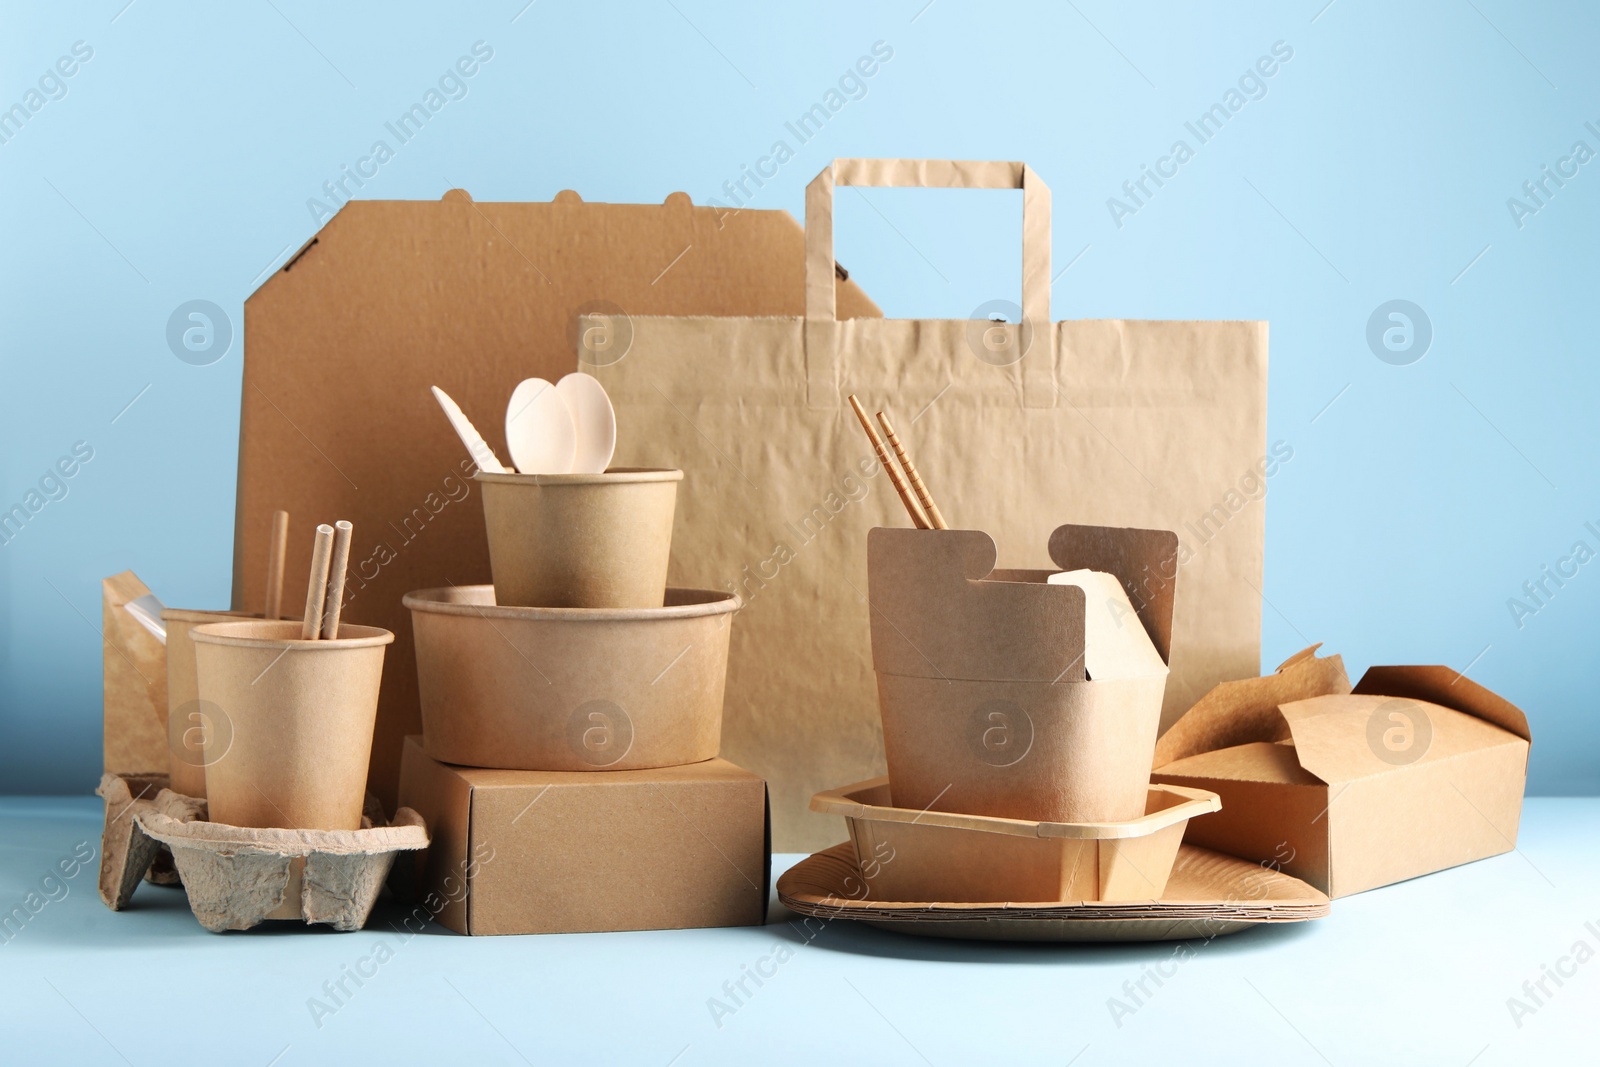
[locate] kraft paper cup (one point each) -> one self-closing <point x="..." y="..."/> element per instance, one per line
<point x="188" y="721"/>
<point x="301" y="714"/>
<point x="570" y="689"/>
<point x="580" y="540"/>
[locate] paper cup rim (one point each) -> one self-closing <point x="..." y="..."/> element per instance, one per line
<point x="614" y="476"/>
<point x="441" y="601"/>
<point x="246" y="633"/>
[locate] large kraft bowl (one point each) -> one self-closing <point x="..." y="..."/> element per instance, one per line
<point x="570" y="689"/>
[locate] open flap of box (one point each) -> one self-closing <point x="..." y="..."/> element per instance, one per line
<point x="1245" y="713"/>
<point x="1447" y="687"/>
<point x="1145" y="561"/>
<point x="1400" y="716"/>
<point x="1305" y="723"/>
<point x="941" y="609"/>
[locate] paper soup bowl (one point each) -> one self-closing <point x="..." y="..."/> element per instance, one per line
<point x="580" y="540"/>
<point x="296" y="722"/>
<point x="570" y="689"/>
<point x="188" y="721"/>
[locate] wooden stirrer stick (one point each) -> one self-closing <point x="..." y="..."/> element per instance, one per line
<point x="900" y="487"/>
<point x="276" y="549"/>
<point x="911" y="473"/>
<point x="317" y="586"/>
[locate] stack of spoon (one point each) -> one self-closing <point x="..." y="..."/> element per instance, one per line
<point x="566" y="428"/>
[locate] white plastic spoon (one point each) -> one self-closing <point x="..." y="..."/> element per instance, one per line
<point x="539" y="429"/>
<point x="594" y="419"/>
<point x="477" y="447"/>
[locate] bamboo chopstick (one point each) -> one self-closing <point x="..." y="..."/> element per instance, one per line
<point x="276" y="548"/>
<point x="334" y="602"/>
<point x="900" y="487"/>
<point x="911" y="473"/>
<point x="317" y="586"/>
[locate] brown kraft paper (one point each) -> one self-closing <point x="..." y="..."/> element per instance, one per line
<point x="1015" y="428"/>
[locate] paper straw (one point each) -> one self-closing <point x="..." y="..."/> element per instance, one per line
<point x="336" y="571"/>
<point x="317" y="586"/>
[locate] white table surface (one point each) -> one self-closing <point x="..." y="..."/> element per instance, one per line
<point x="1418" y="973"/>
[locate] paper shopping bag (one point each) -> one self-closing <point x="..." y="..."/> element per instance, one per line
<point x="1016" y="427"/>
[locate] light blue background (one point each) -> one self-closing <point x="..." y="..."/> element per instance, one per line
<point x="1377" y="166"/>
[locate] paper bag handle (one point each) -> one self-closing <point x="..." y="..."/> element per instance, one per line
<point x="821" y="309"/>
<point x="929" y="174"/>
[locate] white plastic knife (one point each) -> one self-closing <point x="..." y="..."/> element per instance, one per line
<point x="477" y="447"/>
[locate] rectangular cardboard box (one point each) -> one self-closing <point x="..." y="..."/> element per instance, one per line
<point x="1416" y="769"/>
<point x="543" y="852"/>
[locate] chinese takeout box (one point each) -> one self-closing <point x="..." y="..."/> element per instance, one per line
<point x="1416" y="769"/>
<point x="1006" y="694"/>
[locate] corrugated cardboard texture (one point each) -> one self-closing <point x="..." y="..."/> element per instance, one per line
<point x="524" y="852"/>
<point x="135" y="683"/>
<point x="341" y="346"/>
<point x="1304" y="783"/>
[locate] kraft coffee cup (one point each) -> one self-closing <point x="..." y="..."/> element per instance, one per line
<point x="580" y="540"/>
<point x="300" y="716"/>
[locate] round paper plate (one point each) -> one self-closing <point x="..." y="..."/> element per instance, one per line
<point x="1209" y="894"/>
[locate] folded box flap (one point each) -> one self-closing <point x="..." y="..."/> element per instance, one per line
<point x="1246" y="710"/>
<point x="1450" y="688"/>
<point x="1274" y="763"/>
<point x="1116" y="644"/>
<point x="940" y="609"/>
<point x="1146" y="562"/>
<point x="934" y="615"/>
<point x="1341" y="738"/>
